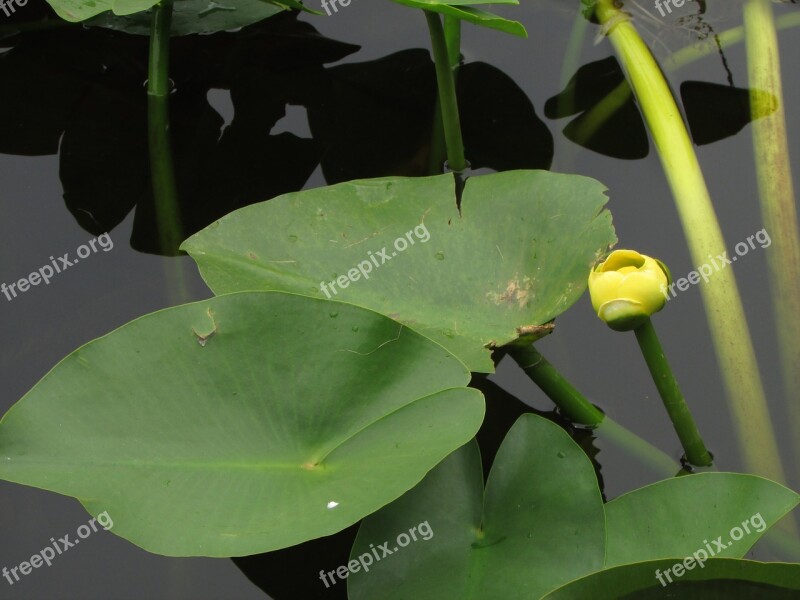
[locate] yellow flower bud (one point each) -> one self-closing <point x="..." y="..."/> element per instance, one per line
<point x="627" y="288"/>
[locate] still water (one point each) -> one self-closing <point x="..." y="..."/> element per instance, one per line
<point x="353" y="100"/>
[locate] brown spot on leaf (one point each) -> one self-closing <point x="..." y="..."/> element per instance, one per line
<point x="516" y="293"/>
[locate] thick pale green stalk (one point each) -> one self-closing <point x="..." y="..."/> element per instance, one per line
<point x="447" y="93"/>
<point x="696" y="452"/>
<point x="578" y="409"/>
<point x="162" y="171"/>
<point x="615" y="99"/>
<point x="776" y="191"/>
<point x="723" y="304"/>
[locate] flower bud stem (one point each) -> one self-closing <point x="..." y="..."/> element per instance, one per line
<point x="678" y="410"/>
<point x="723" y="303"/>
<point x="578" y="409"/>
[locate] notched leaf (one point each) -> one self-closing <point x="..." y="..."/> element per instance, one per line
<point x="202" y="338"/>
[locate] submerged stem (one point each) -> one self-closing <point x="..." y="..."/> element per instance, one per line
<point x="162" y="171"/>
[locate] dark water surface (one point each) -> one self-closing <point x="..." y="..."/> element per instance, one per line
<point x="98" y="158"/>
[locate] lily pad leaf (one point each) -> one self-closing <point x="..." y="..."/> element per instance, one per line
<point x="188" y="16"/>
<point x="466" y="11"/>
<point x="193" y="16"/>
<point x="719" y="578"/>
<point x="538" y="525"/>
<point x="241" y="424"/>
<point x="730" y="512"/>
<point x="513" y="259"/>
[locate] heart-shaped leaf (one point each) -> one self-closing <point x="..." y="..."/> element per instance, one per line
<point x="540" y="524"/>
<point x="513" y="259"/>
<point x="719" y="579"/>
<point x="722" y="514"/>
<point x="241" y="424"/>
<point x="466" y="11"/>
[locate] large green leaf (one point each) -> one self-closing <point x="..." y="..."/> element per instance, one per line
<point x="80" y="10"/>
<point x="241" y="424"/>
<point x="189" y="16"/>
<point x="193" y="16"/>
<point x="680" y="516"/>
<point x="466" y="11"/>
<point x="719" y="579"/>
<point x="515" y="258"/>
<point x="539" y="525"/>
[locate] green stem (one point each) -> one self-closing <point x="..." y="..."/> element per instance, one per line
<point x="776" y="192"/>
<point x="452" y="36"/>
<point x="438" y="148"/>
<point x="571" y="402"/>
<point x="674" y="402"/>
<point x="158" y="67"/>
<point x="721" y="298"/>
<point x="447" y="93"/>
<point x="162" y="171"/>
<point x="578" y="409"/>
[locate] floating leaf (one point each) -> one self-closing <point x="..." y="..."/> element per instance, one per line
<point x="539" y="524"/>
<point x="193" y="16"/>
<point x="720" y="578"/>
<point x="656" y="521"/>
<point x="241" y="424"/>
<point x="294" y="572"/>
<point x="466" y="11"/>
<point x="188" y="16"/>
<point x="514" y="259"/>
